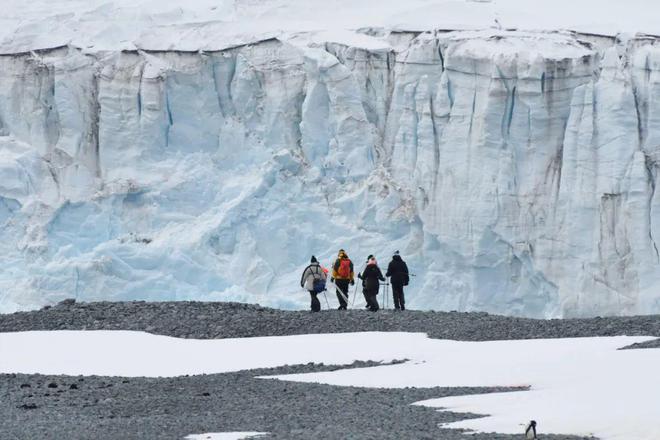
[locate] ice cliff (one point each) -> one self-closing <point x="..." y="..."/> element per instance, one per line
<point x="515" y="171"/>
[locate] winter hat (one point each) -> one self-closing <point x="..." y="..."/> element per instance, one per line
<point x="314" y="260"/>
<point x="396" y="252"/>
<point x="369" y="257"/>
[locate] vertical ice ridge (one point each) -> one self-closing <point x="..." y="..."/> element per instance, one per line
<point x="93" y="133"/>
<point x="511" y="168"/>
<point x="651" y="175"/>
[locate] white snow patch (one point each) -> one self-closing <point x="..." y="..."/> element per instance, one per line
<point x="582" y="386"/>
<point x="138" y="354"/>
<point x="224" y="435"/>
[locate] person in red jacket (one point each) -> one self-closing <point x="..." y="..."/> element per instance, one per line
<point x="342" y="276"/>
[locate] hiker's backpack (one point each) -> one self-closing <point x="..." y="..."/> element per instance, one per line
<point x="319" y="285"/>
<point x="344" y="268"/>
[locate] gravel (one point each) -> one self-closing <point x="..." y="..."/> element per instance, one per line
<point x="53" y="407"/>
<point x="234" y="320"/>
<point x="147" y="408"/>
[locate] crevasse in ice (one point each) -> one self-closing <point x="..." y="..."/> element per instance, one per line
<point x="515" y="171"/>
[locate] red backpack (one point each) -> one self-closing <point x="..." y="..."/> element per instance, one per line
<point x="344" y="268"/>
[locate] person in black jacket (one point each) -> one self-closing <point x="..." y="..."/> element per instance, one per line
<point x="364" y="290"/>
<point x="372" y="277"/>
<point x="397" y="270"/>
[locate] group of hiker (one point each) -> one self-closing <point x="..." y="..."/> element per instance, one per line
<point x="314" y="279"/>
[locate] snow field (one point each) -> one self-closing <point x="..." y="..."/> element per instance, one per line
<point x="582" y="386"/>
<point x="206" y="24"/>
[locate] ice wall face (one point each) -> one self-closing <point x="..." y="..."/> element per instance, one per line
<point x="515" y="171"/>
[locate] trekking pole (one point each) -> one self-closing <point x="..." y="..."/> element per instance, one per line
<point x="387" y="294"/>
<point x="326" y="298"/>
<point x="344" y="297"/>
<point x="354" y="294"/>
<point x="341" y="293"/>
<point x="356" y="285"/>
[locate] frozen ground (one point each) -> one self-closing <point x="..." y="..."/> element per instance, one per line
<point x="570" y="380"/>
<point x="302" y="406"/>
<point x="108" y="408"/>
<point x="159" y="151"/>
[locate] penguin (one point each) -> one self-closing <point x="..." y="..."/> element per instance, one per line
<point x="530" y="431"/>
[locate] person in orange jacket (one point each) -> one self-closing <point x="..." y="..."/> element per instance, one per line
<point x="342" y="276"/>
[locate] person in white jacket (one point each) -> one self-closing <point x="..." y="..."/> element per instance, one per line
<point x="313" y="280"/>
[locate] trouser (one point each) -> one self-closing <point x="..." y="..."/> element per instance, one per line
<point x="316" y="304"/>
<point x="342" y="286"/>
<point x="372" y="299"/>
<point x="399" y="300"/>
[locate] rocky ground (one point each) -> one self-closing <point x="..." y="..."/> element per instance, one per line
<point x="58" y="407"/>
<point x="234" y="320"/>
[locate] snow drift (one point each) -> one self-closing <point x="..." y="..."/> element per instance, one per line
<point x="514" y="170"/>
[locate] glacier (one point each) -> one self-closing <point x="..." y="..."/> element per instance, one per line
<point x="515" y="170"/>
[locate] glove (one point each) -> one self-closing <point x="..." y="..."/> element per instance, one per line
<point x="332" y="280"/>
<point x="352" y="282"/>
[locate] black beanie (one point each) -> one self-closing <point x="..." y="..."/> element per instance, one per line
<point x="369" y="257"/>
<point x="314" y="260"/>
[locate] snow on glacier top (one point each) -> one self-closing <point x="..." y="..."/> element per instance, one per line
<point x="216" y="24"/>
